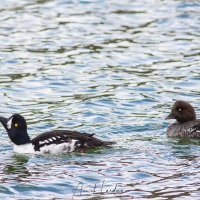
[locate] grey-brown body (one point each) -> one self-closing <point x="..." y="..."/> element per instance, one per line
<point x="184" y="130"/>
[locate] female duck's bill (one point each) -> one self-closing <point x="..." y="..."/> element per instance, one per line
<point x="49" y="142"/>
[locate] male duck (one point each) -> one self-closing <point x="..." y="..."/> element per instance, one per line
<point x="56" y="141"/>
<point x="186" y="125"/>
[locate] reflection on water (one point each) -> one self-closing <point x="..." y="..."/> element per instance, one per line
<point x="16" y="170"/>
<point x="112" y="68"/>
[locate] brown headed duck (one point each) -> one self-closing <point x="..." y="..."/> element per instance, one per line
<point x="186" y="125"/>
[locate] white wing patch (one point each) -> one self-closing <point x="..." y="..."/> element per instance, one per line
<point x="194" y="129"/>
<point x="42" y="142"/>
<point x="46" y="141"/>
<point x="9" y="123"/>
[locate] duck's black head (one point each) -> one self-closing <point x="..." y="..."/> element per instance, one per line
<point x="16" y="128"/>
<point x="182" y="112"/>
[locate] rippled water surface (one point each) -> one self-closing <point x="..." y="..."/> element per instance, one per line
<point x="113" y="68"/>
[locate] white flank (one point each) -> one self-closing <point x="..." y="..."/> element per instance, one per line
<point x="24" y="148"/>
<point x="58" y="148"/>
<point x="52" y="148"/>
<point x="9" y="123"/>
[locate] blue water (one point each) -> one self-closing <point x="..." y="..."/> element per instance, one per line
<point x="113" y="68"/>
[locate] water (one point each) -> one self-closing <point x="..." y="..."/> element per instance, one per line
<point x="113" y="68"/>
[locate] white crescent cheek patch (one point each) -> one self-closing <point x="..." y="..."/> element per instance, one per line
<point x="9" y="123"/>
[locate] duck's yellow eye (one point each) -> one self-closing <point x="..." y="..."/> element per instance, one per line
<point x="16" y="125"/>
<point x="179" y="109"/>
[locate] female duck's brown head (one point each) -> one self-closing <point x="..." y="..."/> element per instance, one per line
<point x="182" y="112"/>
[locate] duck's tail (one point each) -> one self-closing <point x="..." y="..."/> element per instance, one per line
<point x="108" y="143"/>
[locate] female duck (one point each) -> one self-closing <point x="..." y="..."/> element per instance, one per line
<point x="186" y="125"/>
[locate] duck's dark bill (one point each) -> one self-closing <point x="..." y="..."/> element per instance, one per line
<point x="4" y="121"/>
<point x="170" y="116"/>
